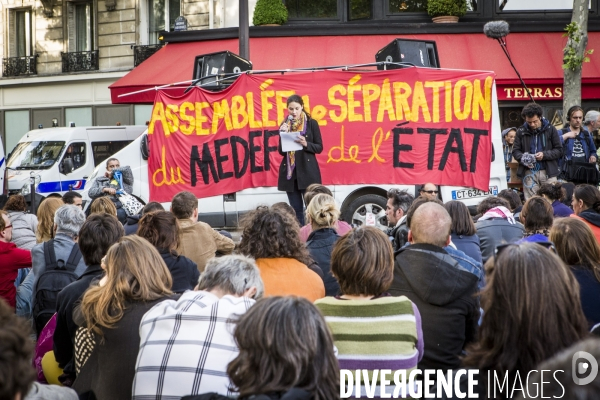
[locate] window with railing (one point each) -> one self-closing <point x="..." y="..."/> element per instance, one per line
<point x="21" y="58"/>
<point x="81" y="54"/>
<point x="161" y="17"/>
<point x="142" y="53"/>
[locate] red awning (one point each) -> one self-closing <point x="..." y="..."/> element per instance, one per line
<point x="538" y="57"/>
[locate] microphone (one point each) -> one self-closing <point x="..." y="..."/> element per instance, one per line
<point x="496" y="29"/>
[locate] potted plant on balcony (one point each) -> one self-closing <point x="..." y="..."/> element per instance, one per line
<point x="269" y="12"/>
<point x="446" y="10"/>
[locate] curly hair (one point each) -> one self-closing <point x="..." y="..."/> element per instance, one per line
<point x="16" y="203"/>
<point x="271" y="233"/>
<point x="553" y="191"/>
<point x="490" y="202"/>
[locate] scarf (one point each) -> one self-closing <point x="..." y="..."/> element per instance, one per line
<point x="499" y="212"/>
<point x="296" y="125"/>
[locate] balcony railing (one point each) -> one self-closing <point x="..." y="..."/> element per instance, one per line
<point x="18" y="66"/>
<point x="80" y="61"/>
<point x="142" y="53"/>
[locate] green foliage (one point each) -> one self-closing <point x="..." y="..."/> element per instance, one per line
<point x="439" y="8"/>
<point x="269" y="12"/>
<point x="571" y="59"/>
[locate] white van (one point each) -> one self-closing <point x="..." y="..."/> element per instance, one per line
<point x="61" y="159"/>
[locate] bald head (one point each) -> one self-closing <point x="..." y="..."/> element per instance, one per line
<point x="430" y="224"/>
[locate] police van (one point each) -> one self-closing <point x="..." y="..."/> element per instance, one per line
<point x="57" y="160"/>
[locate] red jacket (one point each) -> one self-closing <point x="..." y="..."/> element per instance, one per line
<point x="11" y="260"/>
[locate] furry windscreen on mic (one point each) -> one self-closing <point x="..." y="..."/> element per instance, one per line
<point x="496" y="29"/>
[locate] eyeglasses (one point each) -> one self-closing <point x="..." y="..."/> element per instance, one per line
<point x="547" y="245"/>
<point x="430" y="191"/>
<point x="8" y="226"/>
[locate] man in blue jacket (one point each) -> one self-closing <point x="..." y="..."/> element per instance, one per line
<point x="578" y="143"/>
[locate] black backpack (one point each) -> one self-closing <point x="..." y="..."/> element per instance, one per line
<point x="54" y="279"/>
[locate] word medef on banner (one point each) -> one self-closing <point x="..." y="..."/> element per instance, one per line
<point x="404" y="126"/>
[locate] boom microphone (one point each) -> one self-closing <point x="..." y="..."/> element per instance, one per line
<point x="496" y="29"/>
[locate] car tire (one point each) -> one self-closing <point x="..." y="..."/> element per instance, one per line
<point x="356" y="212"/>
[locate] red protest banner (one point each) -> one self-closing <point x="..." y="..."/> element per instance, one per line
<point x="405" y="126"/>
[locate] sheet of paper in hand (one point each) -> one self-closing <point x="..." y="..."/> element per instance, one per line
<point x="288" y="141"/>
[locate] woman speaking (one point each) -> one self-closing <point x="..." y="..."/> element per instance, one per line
<point x="299" y="168"/>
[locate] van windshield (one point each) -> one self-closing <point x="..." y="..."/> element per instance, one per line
<point x="35" y="155"/>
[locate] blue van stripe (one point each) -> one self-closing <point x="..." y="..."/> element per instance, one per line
<point x="49" y="187"/>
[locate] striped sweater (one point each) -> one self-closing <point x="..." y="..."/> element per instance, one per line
<point x="381" y="333"/>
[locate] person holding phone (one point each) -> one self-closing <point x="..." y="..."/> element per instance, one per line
<point x="299" y="168"/>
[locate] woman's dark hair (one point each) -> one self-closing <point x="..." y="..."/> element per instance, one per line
<point x="531" y="110"/>
<point x="297" y="99"/>
<point x="363" y="262"/>
<point x="284" y="343"/>
<point x="160" y="228"/>
<point x="97" y="234"/>
<point x="269" y="233"/>
<point x="537" y="214"/>
<point x="16" y="203"/>
<point x="531" y="311"/>
<point x="152" y="206"/>
<point x="554" y="191"/>
<point x="512" y="197"/>
<point x="589" y="195"/>
<point x="569" y="188"/>
<point x="576" y="244"/>
<point x="462" y="223"/>
<point x="490" y="202"/>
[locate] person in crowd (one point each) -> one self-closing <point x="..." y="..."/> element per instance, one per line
<point x="578" y="248"/>
<point x="591" y="122"/>
<point x="322" y="213"/>
<point x="537" y="218"/>
<point x="45" y="217"/>
<point x="496" y="225"/>
<point x="513" y="198"/>
<point x="443" y="292"/>
<point x="187" y="343"/>
<point x="578" y="143"/>
<point x="398" y="202"/>
<point x="463" y="231"/>
<point x="18" y="375"/>
<point x="115" y="178"/>
<point x="74" y="198"/>
<point x="284" y="207"/>
<point x="531" y="311"/>
<point x="586" y="206"/>
<point x="271" y="237"/>
<point x="136" y="278"/>
<point x="11" y="260"/>
<point x="429" y="190"/>
<point x="341" y="227"/>
<point x="537" y="140"/>
<point x="299" y="168"/>
<point x="24" y="224"/>
<point x="508" y="141"/>
<point x="98" y="233"/>
<point x="103" y="205"/>
<point x="197" y="240"/>
<point x="555" y="193"/>
<point x="569" y="189"/>
<point x="131" y="226"/>
<point x="160" y="228"/>
<point x="377" y="329"/>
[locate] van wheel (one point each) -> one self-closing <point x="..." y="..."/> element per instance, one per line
<point x="356" y="213"/>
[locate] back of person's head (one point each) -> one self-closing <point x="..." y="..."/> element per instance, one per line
<point x="491" y="202"/>
<point x="152" y="206"/>
<point x="322" y="211"/>
<point x="184" y="204"/>
<point x="69" y="197"/>
<point x="462" y="223"/>
<point x="418" y="202"/>
<point x="314" y="189"/>
<point x="512" y="197"/>
<point x="233" y="274"/>
<point x="537" y="214"/>
<point x="589" y="195"/>
<point x="531" y="310"/>
<point x="268" y="233"/>
<point x="103" y="205"/>
<point x="97" y="234"/>
<point x="576" y="244"/>
<point x="401" y="199"/>
<point x="284" y="343"/>
<point x="569" y="188"/>
<point x="16" y="349"/>
<point x="363" y="262"/>
<point x="431" y="224"/>
<point x="531" y="110"/>
<point x="45" y="216"/>
<point x="553" y="191"/>
<point x="16" y="202"/>
<point x="161" y="229"/>
<point x="284" y="207"/>
<point x="68" y="219"/>
<point x="567" y="383"/>
<point x="135" y="271"/>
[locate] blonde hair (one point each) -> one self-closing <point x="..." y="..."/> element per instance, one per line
<point x="103" y="205"/>
<point x="45" y="216"/>
<point x="135" y="271"/>
<point x="323" y="211"/>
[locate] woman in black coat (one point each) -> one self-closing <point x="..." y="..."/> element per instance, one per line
<point x="300" y="168"/>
